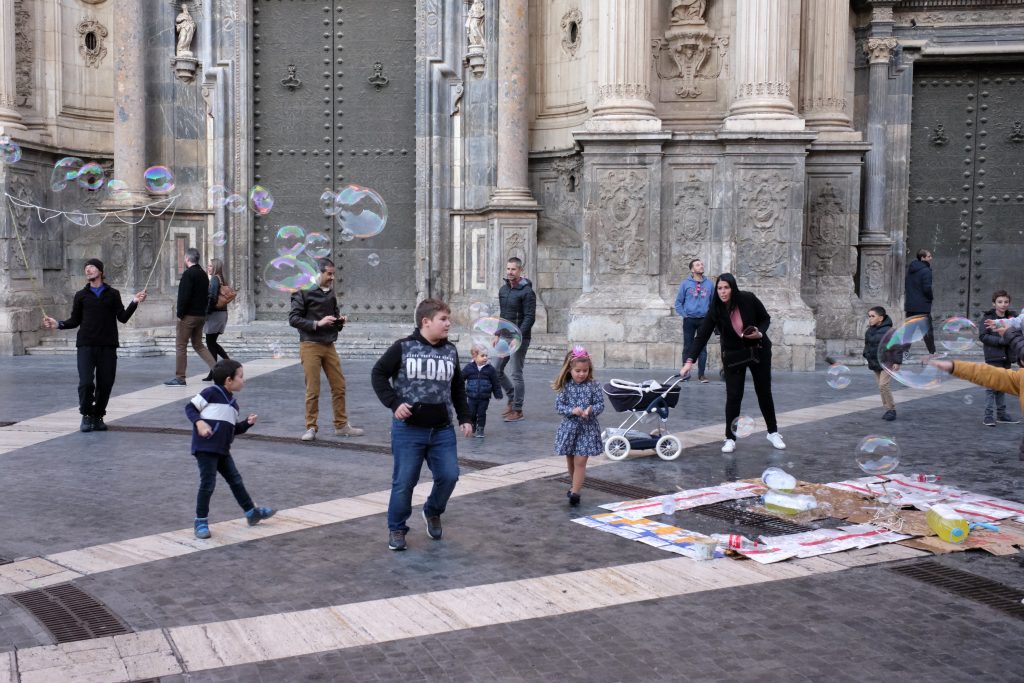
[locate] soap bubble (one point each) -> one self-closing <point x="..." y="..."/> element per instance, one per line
<point x="968" y="400"/>
<point x="778" y="479"/>
<point x="65" y="171"/>
<point x="218" y="196"/>
<point x="159" y="179"/>
<point x="220" y="238"/>
<point x="346" y="236"/>
<point x="289" y="274"/>
<point x="76" y="217"/>
<point x="329" y="203"/>
<point x="317" y="245"/>
<point x="838" y="376"/>
<point x="373" y="260"/>
<point x="275" y="350"/>
<point x="10" y="152"/>
<point x="261" y="200"/>
<point x="878" y="455"/>
<point x="479" y="309"/>
<point x="235" y="203"/>
<point x="91" y="176"/>
<point x="743" y="426"/>
<point x="361" y="211"/>
<point x="957" y="335"/>
<point x="117" y="190"/>
<point x="903" y="355"/>
<point x="290" y="240"/>
<point x="498" y="336"/>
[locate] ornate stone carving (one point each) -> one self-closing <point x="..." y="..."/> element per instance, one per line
<point x="571" y="32"/>
<point x="823" y="104"/>
<point x="23" y="50"/>
<point x="691" y="213"/>
<point x="763" y="88"/>
<point x="92" y="35"/>
<point x="117" y="260"/>
<point x="764" y="257"/>
<point x="881" y="13"/>
<point x="568" y="170"/>
<point x="827" y="229"/>
<point x="185" y="27"/>
<point x="874" y="278"/>
<point x="764" y="196"/>
<point x="879" y="50"/>
<point x="476" y="51"/>
<point x="623" y="242"/>
<point x="1002" y="15"/>
<point x="631" y="91"/>
<point x="515" y="245"/>
<point x="687" y="12"/>
<point x="690" y="43"/>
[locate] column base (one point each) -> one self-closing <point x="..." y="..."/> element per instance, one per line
<point x="623" y="123"/>
<point x="513" y="197"/>
<point x="10" y="120"/>
<point x="763" y="123"/>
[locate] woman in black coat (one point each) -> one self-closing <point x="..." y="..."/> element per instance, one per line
<point x="743" y="323"/>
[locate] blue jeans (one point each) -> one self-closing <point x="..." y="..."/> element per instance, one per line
<point x="209" y="465"/>
<point x="410" y="446"/>
<point x="690" y="327"/>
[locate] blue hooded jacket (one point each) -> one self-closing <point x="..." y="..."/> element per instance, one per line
<point x="694" y="297"/>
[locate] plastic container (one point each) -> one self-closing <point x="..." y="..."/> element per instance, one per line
<point x="928" y="478"/>
<point x="668" y="506"/>
<point x="947" y="523"/>
<point x="789" y="503"/>
<point x="778" y="479"/>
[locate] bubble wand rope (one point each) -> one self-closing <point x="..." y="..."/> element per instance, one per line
<point x="156" y="261"/>
<point x="36" y="289"/>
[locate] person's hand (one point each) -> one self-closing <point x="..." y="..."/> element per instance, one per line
<point x="139" y="297"/>
<point x="754" y="334"/>
<point x="944" y="365"/>
<point x="589" y="411"/>
<point x="403" y="411"/>
<point x="685" y="370"/>
<point x="466" y="428"/>
<point x="203" y="429"/>
<point x="252" y="419"/>
<point x="49" y="323"/>
<point x="1001" y="331"/>
<point x="325" y="321"/>
<point x="991" y="324"/>
<point x="578" y="412"/>
<point x="342" y="318"/>
<point x="895" y="367"/>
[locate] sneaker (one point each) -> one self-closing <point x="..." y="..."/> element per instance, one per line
<point x="703" y="380"/>
<point x="86" y="425"/>
<point x="396" y="540"/>
<point x="202" y="527"/>
<point x="574" y="499"/>
<point x="349" y="430"/>
<point x="515" y="416"/>
<point x="257" y="515"/>
<point x="776" y="440"/>
<point x="308" y="435"/>
<point x="478" y="434"/>
<point x="209" y="377"/>
<point x="175" y="382"/>
<point x="729" y="446"/>
<point x="98" y="425"/>
<point x="1006" y="420"/>
<point x="433" y="523"/>
<point x="889" y="415"/>
<point x="989" y="421"/>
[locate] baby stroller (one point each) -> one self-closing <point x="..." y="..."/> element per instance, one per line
<point x="640" y="400"/>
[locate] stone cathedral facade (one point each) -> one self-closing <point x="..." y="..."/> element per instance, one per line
<point x="807" y="146"/>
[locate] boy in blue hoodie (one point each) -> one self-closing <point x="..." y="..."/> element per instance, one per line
<point x="213" y="413"/>
<point x="481" y="383"/>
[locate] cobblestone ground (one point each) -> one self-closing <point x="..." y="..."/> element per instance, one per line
<point x="867" y="623"/>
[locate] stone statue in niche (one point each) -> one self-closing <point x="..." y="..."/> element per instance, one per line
<point x="185" y="25"/>
<point x="475" y="58"/>
<point x="687" y="12"/>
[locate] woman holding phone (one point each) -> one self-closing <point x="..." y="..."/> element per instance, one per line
<point x="743" y="323"/>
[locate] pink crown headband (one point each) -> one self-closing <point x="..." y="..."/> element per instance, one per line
<point x="580" y="352"/>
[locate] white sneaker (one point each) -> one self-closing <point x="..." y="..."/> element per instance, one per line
<point x="308" y="435"/>
<point x="776" y="440"/>
<point x="729" y="446"/>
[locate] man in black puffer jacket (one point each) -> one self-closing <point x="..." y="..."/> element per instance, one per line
<point x="919" y="293"/>
<point x="96" y="310"/>
<point x="519" y="306"/>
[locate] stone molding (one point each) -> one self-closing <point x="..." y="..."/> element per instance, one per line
<point x="93" y="56"/>
<point x="779" y="88"/>
<point x="879" y="50"/>
<point x="1003" y="15"/>
<point x="623" y="91"/>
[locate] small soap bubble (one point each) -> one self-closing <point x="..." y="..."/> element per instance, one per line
<point x="957" y="335"/>
<point x="10" y="152"/>
<point x="838" y="376"/>
<point x="361" y="211"/>
<point x="91" y="176"/>
<point x="220" y="238"/>
<point x="117" y="190"/>
<point x="479" y="309"/>
<point x="64" y="171"/>
<point x="218" y="196"/>
<point x="498" y="336"/>
<point x="317" y="245"/>
<point x="329" y="204"/>
<point x="877" y="455"/>
<point x="261" y="200"/>
<point x="289" y="274"/>
<point x="346" y="236"/>
<point x="290" y="240"/>
<point x="373" y="260"/>
<point x="743" y="426"/>
<point x="275" y="350"/>
<point x="235" y="203"/>
<point x="159" y="179"/>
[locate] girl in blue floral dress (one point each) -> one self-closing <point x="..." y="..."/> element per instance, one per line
<point x="579" y="402"/>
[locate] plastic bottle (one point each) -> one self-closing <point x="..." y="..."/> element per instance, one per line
<point x="947" y="523"/>
<point x="928" y="478"/>
<point x="778" y="479"/>
<point x="668" y="505"/>
<point x="789" y="503"/>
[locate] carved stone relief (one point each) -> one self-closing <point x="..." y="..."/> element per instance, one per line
<point x="515" y="245"/>
<point x="765" y="258"/>
<point x="690" y="45"/>
<point x="684" y="12"/>
<point x="572" y="21"/>
<point x="1002" y="15"/>
<point x="623" y="241"/>
<point x="691" y="213"/>
<point x="827" y="232"/>
<point x="879" y="50"/>
<point x="874" y="278"/>
<point x="764" y="196"/>
<point x="23" y="50"/>
<point x="91" y="38"/>
<point x="117" y="259"/>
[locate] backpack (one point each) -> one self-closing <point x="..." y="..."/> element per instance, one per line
<point x="225" y="295"/>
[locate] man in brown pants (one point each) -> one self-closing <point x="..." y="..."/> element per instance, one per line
<point x="316" y="316"/>
<point x="193" y="295"/>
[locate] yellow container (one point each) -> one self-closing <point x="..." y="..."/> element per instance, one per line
<point x="948" y="524"/>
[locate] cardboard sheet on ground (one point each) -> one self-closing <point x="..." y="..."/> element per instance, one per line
<point x="685" y="500"/>
<point x="661" y="536"/>
<point x="821" y="542"/>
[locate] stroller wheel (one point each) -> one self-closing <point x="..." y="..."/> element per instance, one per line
<point x="617" y="447"/>
<point x="669" y="447"/>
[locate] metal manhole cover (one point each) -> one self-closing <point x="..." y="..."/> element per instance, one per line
<point x="966" y="585"/>
<point x="766" y="524"/>
<point x="477" y="464"/>
<point x="70" y="614"/>
<point x="616" y="488"/>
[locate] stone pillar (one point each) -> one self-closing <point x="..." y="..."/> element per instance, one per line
<point x="762" y="96"/>
<point x="129" y="98"/>
<point x="879" y="51"/>
<point x="10" y="118"/>
<point x="824" y="57"/>
<point x="624" y="68"/>
<point x="513" y="113"/>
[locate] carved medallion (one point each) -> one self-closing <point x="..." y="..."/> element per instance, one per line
<point x="764" y="197"/>
<point x="874" y="278"/>
<point x="827" y="229"/>
<point x="764" y="257"/>
<point x="691" y="212"/>
<point x="623" y="244"/>
<point x="91" y="38"/>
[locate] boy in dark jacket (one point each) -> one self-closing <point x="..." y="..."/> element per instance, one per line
<point x="879" y="323"/>
<point x="997" y="354"/>
<point x="481" y="383"/>
<point x="214" y="416"/>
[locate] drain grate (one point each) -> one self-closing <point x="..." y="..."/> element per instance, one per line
<point x="70" y="614"/>
<point x="616" y="488"/>
<point x="765" y="524"/>
<point x="477" y="464"/>
<point x="966" y="585"/>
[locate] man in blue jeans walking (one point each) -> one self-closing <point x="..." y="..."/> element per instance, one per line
<point x="692" y="303"/>
<point x="416" y="378"/>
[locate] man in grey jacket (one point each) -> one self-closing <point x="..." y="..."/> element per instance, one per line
<point x="315" y="315"/>
<point x="519" y="306"/>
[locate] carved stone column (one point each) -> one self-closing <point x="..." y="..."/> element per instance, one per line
<point x="513" y="113"/>
<point x="129" y="98"/>
<point x="762" y="97"/>
<point x="10" y="118"/>
<point x="624" y="68"/>
<point x="824" y="56"/>
<point x="879" y="51"/>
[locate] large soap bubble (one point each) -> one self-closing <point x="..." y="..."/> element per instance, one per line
<point x="361" y="211"/>
<point x="117" y="190"/>
<point x="498" y="336"/>
<point x="290" y="240"/>
<point x="743" y="426"/>
<point x="159" y="179"/>
<point x="10" y="151"/>
<point x="220" y="238"/>
<point x="903" y="354"/>
<point x="261" y="200"/>
<point x="957" y="335"/>
<point x="64" y="171"/>
<point x="235" y="203"/>
<point x="289" y="274"/>
<point x="878" y="455"/>
<point x="91" y="176"/>
<point x="838" y="376"/>
<point x="218" y="196"/>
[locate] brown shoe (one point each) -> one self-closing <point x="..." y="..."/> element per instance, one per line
<point x="508" y="409"/>
<point x="348" y="430"/>
<point x="515" y="416"/>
